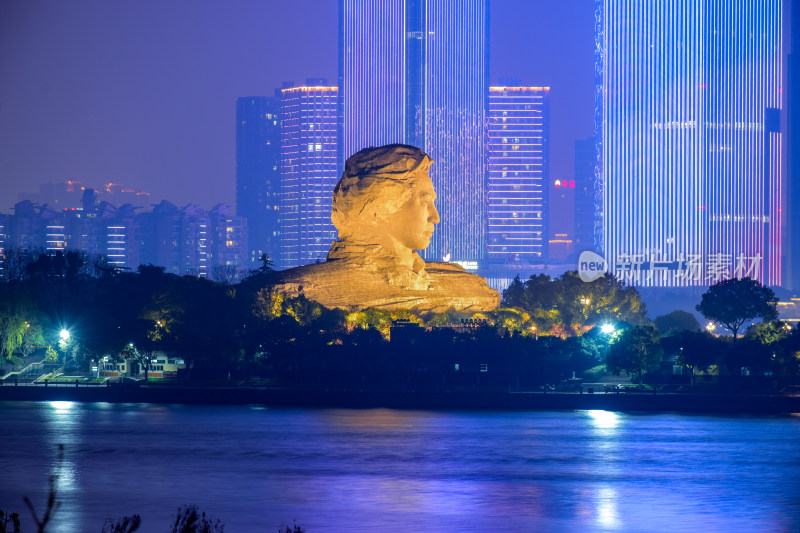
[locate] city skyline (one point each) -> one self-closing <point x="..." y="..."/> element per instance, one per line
<point x="144" y="96"/>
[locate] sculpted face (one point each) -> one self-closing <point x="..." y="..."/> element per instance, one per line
<point x="412" y="224"/>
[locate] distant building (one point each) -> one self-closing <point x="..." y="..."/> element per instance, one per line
<point x="25" y="228"/>
<point x="185" y="241"/>
<point x="53" y="226"/>
<point x="586" y="208"/>
<point x="68" y="195"/>
<point x="691" y="158"/>
<point x="309" y="151"/>
<point x="258" y="152"/>
<point x="518" y="174"/>
<point x="417" y="72"/>
<point x="115" y="235"/>
<point x="228" y="237"/>
<point x="161" y="237"/>
<point x="562" y="215"/>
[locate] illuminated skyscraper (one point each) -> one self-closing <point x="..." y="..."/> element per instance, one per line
<point x="416" y="72"/>
<point x="309" y="157"/>
<point x="518" y="171"/>
<point x="258" y="139"/>
<point x="792" y="101"/>
<point x="691" y="155"/>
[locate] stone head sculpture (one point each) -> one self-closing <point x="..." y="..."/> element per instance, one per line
<point x="383" y="209"/>
<point x="386" y="197"/>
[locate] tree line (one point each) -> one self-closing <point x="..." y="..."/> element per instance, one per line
<point x="546" y="330"/>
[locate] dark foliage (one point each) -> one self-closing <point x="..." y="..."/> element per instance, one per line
<point x="676" y="321"/>
<point x="190" y="520"/>
<point x="733" y="302"/>
<point x="637" y="350"/>
<point x="9" y="521"/>
<point x="567" y="305"/>
<point x="126" y="524"/>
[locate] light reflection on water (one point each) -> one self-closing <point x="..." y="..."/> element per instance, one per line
<point x="386" y="470"/>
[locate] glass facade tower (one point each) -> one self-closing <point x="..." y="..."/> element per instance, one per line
<point x="691" y="174"/>
<point x="309" y="158"/>
<point x="258" y="172"/>
<point x="518" y="173"/>
<point x="416" y="72"/>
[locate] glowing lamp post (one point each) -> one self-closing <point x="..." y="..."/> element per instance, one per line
<point x="607" y="329"/>
<point x="63" y="341"/>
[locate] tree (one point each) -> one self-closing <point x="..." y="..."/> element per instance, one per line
<point x="514" y="295"/>
<point x="568" y="306"/>
<point x="733" y="302"/>
<point x="637" y="349"/>
<point x="694" y="349"/>
<point x="226" y="274"/>
<point x="266" y="267"/>
<point x="152" y="331"/>
<point x="15" y="263"/>
<point x="190" y="520"/>
<point x="514" y="320"/>
<point x="768" y="332"/>
<point x="677" y="321"/>
<point x="126" y="524"/>
<point x="20" y="323"/>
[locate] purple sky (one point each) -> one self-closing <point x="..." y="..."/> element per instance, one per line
<point x="143" y="93"/>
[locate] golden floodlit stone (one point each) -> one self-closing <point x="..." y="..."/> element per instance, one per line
<point x="383" y="209"/>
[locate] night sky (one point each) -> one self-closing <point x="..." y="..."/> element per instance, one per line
<point x="143" y="93"/>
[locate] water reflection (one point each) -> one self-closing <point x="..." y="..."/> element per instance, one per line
<point x="604" y="420"/>
<point x="607" y="507"/>
<point x="384" y="470"/>
<point x="64" y="435"/>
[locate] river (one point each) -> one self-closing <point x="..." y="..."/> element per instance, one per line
<point x="257" y="469"/>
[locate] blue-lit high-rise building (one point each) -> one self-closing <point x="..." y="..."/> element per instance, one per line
<point x="258" y="139"/>
<point x="792" y="101"/>
<point x="309" y="157"/>
<point x="416" y="72"/>
<point x="518" y="173"/>
<point x="691" y="155"/>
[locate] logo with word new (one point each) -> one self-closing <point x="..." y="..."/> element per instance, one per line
<point x="591" y="266"/>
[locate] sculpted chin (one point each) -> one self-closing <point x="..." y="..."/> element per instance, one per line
<point x="384" y="210"/>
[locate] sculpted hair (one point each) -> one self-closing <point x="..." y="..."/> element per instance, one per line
<point x="376" y="182"/>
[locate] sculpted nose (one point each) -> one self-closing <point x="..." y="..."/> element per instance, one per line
<point x="434" y="217"/>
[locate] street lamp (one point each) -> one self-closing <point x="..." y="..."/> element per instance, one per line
<point x="62" y="343"/>
<point x="710" y="327"/>
<point x="608" y="329"/>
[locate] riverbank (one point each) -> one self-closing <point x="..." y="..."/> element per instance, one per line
<point x="399" y="399"/>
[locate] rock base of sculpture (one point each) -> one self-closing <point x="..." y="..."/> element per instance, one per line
<point x="449" y="288"/>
